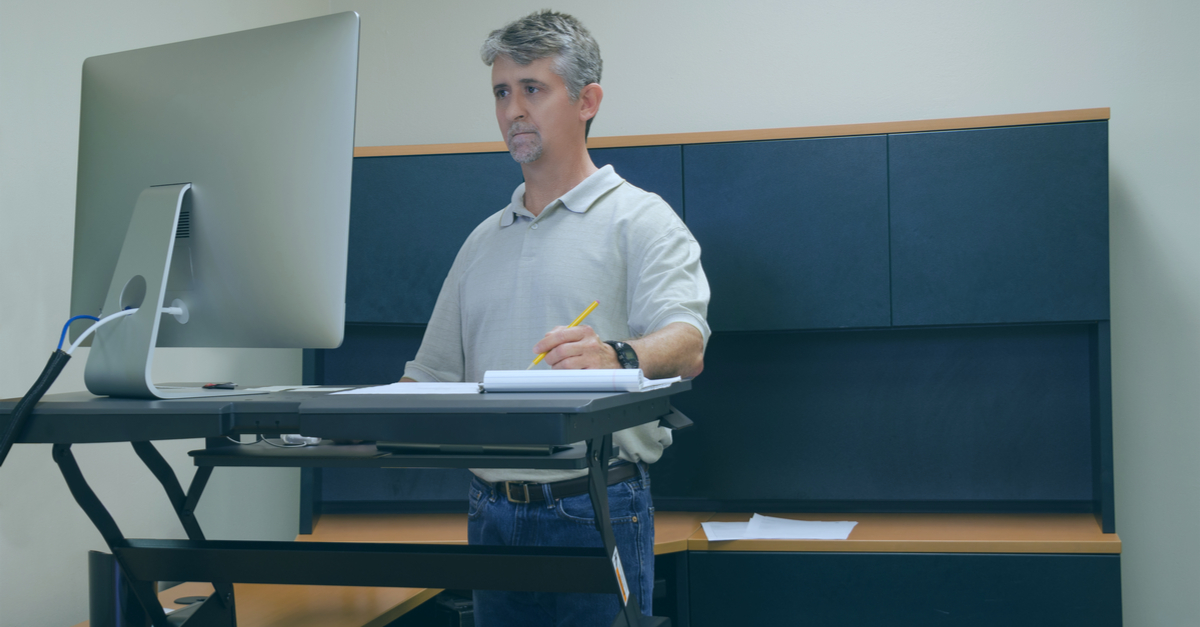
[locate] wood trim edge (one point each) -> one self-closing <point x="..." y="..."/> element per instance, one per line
<point x="700" y="543"/>
<point x="799" y="132"/>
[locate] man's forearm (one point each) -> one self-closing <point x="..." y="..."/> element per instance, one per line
<point x="674" y="350"/>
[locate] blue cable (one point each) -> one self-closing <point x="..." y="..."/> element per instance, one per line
<point x="63" y="337"/>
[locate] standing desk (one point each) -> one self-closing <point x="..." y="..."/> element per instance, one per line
<point x="476" y="419"/>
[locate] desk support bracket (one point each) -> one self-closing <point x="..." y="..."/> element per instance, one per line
<point x="96" y="512"/>
<point x="218" y="610"/>
<point x="599" y="452"/>
<point x="185" y="507"/>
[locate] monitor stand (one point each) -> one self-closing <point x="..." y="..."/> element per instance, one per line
<point x="122" y="352"/>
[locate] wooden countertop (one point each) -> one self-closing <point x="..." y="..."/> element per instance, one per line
<point x="262" y="605"/>
<point x="408" y="528"/>
<point x="938" y="533"/>
<point x="672" y="530"/>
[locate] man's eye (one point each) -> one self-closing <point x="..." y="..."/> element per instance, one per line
<point x="530" y="89"/>
<point x="500" y="93"/>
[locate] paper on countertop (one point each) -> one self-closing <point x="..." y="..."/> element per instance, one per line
<point x="718" y="531"/>
<point x="295" y="388"/>
<point x="614" y="380"/>
<point x="417" y="387"/>
<point x="769" y="528"/>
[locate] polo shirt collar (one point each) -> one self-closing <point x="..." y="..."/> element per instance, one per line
<point x="578" y="200"/>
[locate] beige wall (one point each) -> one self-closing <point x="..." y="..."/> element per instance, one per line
<point x="670" y="66"/>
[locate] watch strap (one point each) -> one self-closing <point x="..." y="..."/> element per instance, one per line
<point x="626" y="356"/>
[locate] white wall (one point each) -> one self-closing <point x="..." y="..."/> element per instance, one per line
<point x="704" y="65"/>
<point x="675" y="66"/>
<point x="44" y="536"/>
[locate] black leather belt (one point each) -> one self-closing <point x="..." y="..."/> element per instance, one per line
<point x="526" y="492"/>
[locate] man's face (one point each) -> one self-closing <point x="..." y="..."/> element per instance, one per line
<point x="534" y="109"/>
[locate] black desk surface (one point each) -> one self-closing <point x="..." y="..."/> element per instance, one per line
<point x="497" y="418"/>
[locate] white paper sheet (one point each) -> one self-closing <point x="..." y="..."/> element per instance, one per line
<point x="616" y="380"/>
<point x="718" y="531"/>
<point x="769" y="528"/>
<point x="296" y="388"/>
<point x="418" y="388"/>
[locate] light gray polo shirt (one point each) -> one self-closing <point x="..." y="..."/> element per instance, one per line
<point x="517" y="277"/>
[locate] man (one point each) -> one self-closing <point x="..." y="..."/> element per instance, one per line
<point x="573" y="233"/>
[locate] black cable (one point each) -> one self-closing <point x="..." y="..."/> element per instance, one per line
<point x="58" y="359"/>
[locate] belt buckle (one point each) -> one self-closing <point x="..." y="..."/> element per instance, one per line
<point x="508" y="485"/>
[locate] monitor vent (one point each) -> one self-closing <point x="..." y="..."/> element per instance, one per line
<point x="184" y="230"/>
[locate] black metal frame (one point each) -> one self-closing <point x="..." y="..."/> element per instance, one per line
<point x="218" y="609"/>
<point x="142" y="562"/>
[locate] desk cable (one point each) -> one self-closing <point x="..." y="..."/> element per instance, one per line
<point x="258" y="437"/>
<point x="58" y="360"/>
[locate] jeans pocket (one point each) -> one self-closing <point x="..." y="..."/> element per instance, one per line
<point x="579" y="508"/>
<point x="475" y="503"/>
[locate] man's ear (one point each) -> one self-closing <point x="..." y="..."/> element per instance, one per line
<point x="589" y="100"/>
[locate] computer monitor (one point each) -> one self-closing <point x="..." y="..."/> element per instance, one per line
<point x="215" y="174"/>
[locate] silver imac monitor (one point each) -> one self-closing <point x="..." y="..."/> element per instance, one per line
<point x="214" y="177"/>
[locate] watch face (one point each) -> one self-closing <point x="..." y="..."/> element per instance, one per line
<point x="626" y="355"/>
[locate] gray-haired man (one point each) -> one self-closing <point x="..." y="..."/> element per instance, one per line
<point x="573" y="233"/>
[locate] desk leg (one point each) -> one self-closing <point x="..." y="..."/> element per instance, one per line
<point x="91" y="505"/>
<point x="185" y="507"/>
<point x="599" y="452"/>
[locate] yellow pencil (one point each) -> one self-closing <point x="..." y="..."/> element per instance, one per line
<point x="537" y="360"/>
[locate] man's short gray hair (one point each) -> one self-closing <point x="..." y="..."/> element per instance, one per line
<point x="549" y="34"/>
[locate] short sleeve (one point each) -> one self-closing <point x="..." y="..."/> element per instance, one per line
<point x="668" y="285"/>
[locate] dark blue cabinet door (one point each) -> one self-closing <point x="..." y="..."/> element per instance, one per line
<point x="409" y="216"/>
<point x="1000" y="225"/>
<point x="794" y="234"/>
<point x="657" y="169"/>
<point x="942" y="418"/>
<point x="903" y="589"/>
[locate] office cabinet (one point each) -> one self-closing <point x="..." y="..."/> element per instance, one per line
<point x="657" y="169"/>
<point x="1001" y="225"/>
<point x="904" y="589"/>
<point x="409" y="215"/>
<point x="903" y="321"/>
<point x="794" y="233"/>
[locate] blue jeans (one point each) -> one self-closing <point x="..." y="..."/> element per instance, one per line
<point x="492" y="519"/>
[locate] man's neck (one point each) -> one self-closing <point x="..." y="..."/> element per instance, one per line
<point x="548" y="179"/>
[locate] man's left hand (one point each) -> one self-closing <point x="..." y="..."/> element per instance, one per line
<point x="574" y="348"/>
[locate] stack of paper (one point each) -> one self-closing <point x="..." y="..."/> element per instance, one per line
<point x="297" y="388"/>
<point x="411" y="387"/>
<point x="770" y="528"/>
<point x="619" y="380"/>
<point x="532" y="381"/>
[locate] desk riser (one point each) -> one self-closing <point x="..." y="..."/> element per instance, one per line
<point x="482" y="428"/>
<point x="364" y="564"/>
<point x="367" y="456"/>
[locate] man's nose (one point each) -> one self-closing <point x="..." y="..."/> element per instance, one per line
<point x="514" y="109"/>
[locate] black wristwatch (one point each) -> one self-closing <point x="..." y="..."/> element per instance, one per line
<point x="625" y="354"/>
